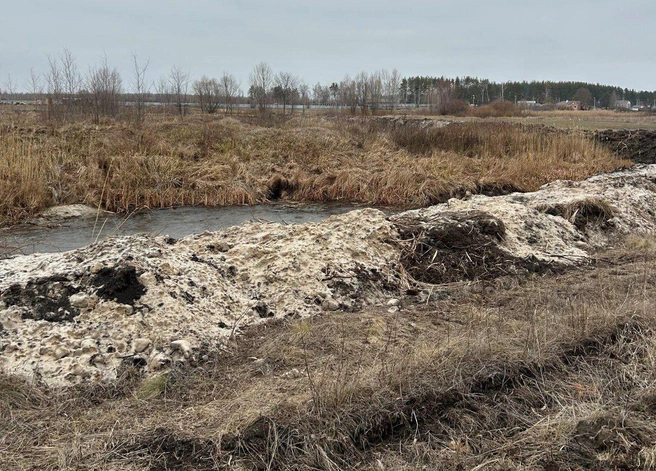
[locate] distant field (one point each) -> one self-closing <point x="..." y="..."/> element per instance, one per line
<point x="591" y="120"/>
<point x="582" y="120"/>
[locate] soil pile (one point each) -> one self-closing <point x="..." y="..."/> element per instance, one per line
<point x="150" y="302"/>
<point x="637" y="145"/>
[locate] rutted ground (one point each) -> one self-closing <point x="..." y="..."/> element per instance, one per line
<point x="151" y="302"/>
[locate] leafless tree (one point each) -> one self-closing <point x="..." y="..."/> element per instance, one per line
<point x="285" y="87"/>
<point x="208" y="92"/>
<point x="229" y="89"/>
<point x="104" y="87"/>
<point x="179" y="86"/>
<point x="362" y="88"/>
<point x="260" y="84"/>
<point x="139" y="88"/>
<point x="348" y="94"/>
<point x="163" y="92"/>
<point x="440" y="95"/>
<point x="391" y="87"/>
<point x="375" y="88"/>
<point x="54" y="88"/>
<point x="304" y="95"/>
<point x="10" y="86"/>
<point x="321" y="94"/>
<point x="71" y="78"/>
<point x="34" y="85"/>
<point x="53" y="78"/>
<point x="334" y="92"/>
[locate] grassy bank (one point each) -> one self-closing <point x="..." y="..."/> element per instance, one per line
<point x="212" y="161"/>
<point x="498" y="375"/>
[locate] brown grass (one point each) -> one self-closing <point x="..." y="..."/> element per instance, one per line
<point x="213" y="161"/>
<point x="535" y="373"/>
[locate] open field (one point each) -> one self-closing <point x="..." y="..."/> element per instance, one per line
<point x="591" y="120"/>
<point x="551" y="372"/>
<point x="226" y="161"/>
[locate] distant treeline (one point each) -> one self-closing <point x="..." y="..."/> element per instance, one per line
<point x="417" y="90"/>
<point x="101" y="92"/>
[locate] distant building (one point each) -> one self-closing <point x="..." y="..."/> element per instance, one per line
<point x="569" y="105"/>
<point x="526" y="104"/>
<point x="622" y="105"/>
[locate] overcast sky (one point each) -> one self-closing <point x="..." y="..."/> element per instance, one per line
<point x="610" y="42"/>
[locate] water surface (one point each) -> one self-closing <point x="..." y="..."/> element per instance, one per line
<point x="179" y="222"/>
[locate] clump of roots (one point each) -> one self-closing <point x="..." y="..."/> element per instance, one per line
<point x="453" y="246"/>
<point x="585" y="213"/>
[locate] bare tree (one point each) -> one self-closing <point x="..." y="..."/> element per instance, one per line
<point x="229" y="88"/>
<point x="139" y="88"/>
<point x="260" y="84"/>
<point x="391" y="87"/>
<point x="440" y="95"/>
<point x="321" y="94"/>
<point x="179" y="86"/>
<point x="104" y="87"/>
<point x="71" y="78"/>
<point x="285" y="87"/>
<point x="348" y="94"/>
<point x="34" y="85"/>
<point x="375" y="86"/>
<point x="208" y="92"/>
<point x="304" y="95"/>
<point x="10" y="86"/>
<point x="163" y="92"/>
<point x="334" y="92"/>
<point x="362" y="88"/>
<point x="54" y="88"/>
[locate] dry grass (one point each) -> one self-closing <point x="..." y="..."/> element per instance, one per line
<point x="516" y="373"/>
<point x="591" y="119"/>
<point x="212" y="161"/>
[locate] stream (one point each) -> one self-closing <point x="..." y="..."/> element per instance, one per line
<point x="179" y="222"/>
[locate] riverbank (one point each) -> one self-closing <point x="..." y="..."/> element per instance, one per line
<point x="361" y="341"/>
<point x="223" y="161"/>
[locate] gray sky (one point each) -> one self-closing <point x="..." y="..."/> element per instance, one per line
<point x="610" y="42"/>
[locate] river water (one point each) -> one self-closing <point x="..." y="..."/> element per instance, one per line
<point x="75" y="233"/>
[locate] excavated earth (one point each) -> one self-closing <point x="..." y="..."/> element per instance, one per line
<point x="637" y="145"/>
<point x="152" y="302"/>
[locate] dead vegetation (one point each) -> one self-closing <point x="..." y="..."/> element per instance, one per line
<point x="455" y="246"/>
<point x="245" y="160"/>
<point x="589" y="212"/>
<point x="538" y="372"/>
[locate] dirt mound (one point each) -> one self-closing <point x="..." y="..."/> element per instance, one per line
<point x="637" y="145"/>
<point x="452" y="246"/>
<point x="150" y="303"/>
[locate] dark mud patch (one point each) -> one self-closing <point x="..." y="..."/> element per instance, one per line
<point x="498" y="189"/>
<point x="118" y="284"/>
<point x="46" y="299"/>
<point x="636" y="145"/>
<point x="454" y="246"/>
<point x="279" y="186"/>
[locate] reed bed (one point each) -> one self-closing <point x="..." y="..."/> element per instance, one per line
<point x="227" y="161"/>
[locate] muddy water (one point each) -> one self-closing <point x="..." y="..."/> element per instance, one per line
<point x="74" y="233"/>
